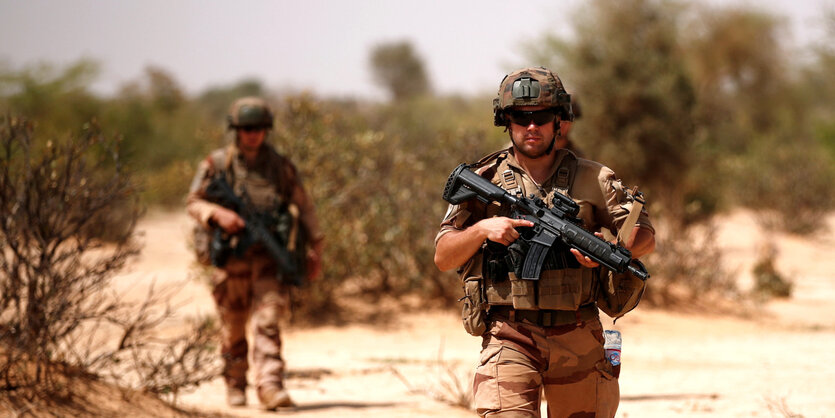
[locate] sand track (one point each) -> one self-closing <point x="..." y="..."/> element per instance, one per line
<point x="675" y="364"/>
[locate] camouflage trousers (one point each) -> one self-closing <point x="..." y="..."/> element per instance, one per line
<point x="520" y="360"/>
<point x="247" y="291"/>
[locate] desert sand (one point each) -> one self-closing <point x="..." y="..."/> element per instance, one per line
<point x="772" y="361"/>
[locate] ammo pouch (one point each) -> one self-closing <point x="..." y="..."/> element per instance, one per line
<point x="563" y="284"/>
<point x="619" y="293"/>
<point x="474" y="307"/>
<point x="564" y="290"/>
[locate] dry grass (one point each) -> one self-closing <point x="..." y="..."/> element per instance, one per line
<point x="781" y="407"/>
<point x="447" y="384"/>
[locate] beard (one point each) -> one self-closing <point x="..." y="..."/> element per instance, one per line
<point x="534" y="156"/>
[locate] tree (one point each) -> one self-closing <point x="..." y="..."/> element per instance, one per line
<point x="58" y="98"/>
<point x="630" y="75"/>
<point x="397" y="68"/>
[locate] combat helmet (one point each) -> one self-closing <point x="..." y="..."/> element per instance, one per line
<point x="532" y="86"/>
<point x="250" y="112"/>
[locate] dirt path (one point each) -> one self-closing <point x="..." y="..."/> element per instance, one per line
<point x="690" y="365"/>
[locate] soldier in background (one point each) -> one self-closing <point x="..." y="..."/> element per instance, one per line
<point x="250" y="288"/>
<point x="564" y="140"/>
<point x="543" y="334"/>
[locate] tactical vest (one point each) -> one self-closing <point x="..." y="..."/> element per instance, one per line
<point x="266" y="193"/>
<point x="563" y="284"/>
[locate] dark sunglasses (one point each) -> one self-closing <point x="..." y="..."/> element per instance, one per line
<point x="539" y="117"/>
<point x="252" y="128"/>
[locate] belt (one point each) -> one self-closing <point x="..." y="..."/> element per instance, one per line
<point x="546" y="317"/>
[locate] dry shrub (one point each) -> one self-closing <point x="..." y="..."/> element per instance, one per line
<point x="789" y="186"/>
<point x="687" y="266"/>
<point x="56" y="307"/>
<point x="446" y="384"/>
<point x="377" y="187"/>
<point x="768" y="281"/>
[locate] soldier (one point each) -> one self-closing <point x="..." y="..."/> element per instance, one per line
<point x="250" y="287"/>
<point x="543" y="334"/>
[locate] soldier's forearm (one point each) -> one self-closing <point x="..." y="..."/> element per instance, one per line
<point x="456" y="247"/>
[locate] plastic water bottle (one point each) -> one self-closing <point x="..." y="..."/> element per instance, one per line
<point x="612" y="346"/>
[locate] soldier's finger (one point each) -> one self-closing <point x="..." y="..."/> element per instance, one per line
<point x="585" y="261"/>
<point x="514" y="234"/>
<point x="520" y="222"/>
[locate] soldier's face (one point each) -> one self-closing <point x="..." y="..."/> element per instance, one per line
<point x="250" y="140"/>
<point x="531" y="140"/>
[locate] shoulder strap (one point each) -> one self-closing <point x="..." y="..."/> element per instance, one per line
<point x="221" y="160"/>
<point x="510" y="180"/>
<point x="566" y="172"/>
<point x="494" y="160"/>
<point x="565" y="175"/>
<point x="488" y="157"/>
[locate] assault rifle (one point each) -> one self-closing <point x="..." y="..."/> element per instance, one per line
<point x="550" y="224"/>
<point x="256" y="231"/>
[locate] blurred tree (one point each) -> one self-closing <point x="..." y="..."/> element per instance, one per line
<point x="638" y="101"/>
<point x="57" y="98"/>
<point x="164" y="91"/>
<point x="819" y="79"/>
<point x="397" y="68"/>
<point x="754" y="119"/>
<point x="702" y="111"/>
<point x="218" y="99"/>
<point x="738" y="61"/>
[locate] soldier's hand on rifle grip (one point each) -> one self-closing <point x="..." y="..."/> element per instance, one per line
<point x="584" y="260"/>
<point x="501" y="229"/>
<point x="228" y="220"/>
<point x="314" y="261"/>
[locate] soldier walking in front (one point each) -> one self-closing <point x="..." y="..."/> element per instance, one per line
<point x="541" y="335"/>
<point x="251" y="285"/>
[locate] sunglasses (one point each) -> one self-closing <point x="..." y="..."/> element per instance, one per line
<point x="539" y="117"/>
<point x="252" y="128"/>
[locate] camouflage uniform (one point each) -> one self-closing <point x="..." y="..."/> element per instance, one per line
<point x="543" y="334"/>
<point x="248" y="288"/>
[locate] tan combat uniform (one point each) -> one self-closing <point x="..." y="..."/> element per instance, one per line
<point x="248" y="288"/>
<point x="544" y="334"/>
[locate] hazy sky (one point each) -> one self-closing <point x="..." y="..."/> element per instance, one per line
<point x="318" y="45"/>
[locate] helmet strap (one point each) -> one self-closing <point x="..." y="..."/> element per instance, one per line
<point x="551" y="147"/>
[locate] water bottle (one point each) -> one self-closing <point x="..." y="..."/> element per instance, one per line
<point x="612" y="347"/>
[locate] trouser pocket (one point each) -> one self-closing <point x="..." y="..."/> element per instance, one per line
<point x="608" y="389"/>
<point x="506" y="383"/>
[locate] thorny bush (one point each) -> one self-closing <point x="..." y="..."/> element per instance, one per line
<point x="68" y="211"/>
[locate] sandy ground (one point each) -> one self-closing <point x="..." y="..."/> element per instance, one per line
<point x="774" y="363"/>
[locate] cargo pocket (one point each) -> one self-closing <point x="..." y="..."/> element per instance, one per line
<point x="561" y="289"/>
<point x="485" y="381"/>
<point x="608" y="390"/>
<point x="473" y="310"/>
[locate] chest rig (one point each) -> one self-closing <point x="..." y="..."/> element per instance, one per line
<point x="563" y="284"/>
<point x="268" y="193"/>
